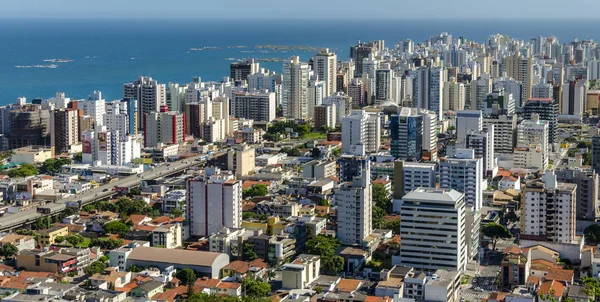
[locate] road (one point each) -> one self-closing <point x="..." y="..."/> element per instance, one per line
<point x="10" y="221"/>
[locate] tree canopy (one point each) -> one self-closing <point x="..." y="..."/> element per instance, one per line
<point x="23" y="171"/>
<point x="325" y="247"/>
<point x="186" y="276"/>
<point x="495" y="231"/>
<point x="116" y="227"/>
<point x="255" y="288"/>
<point x="592" y="234"/>
<point x="95" y="267"/>
<point x="107" y="243"/>
<point x="280" y="127"/>
<point x="8" y="250"/>
<point x="291" y="151"/>
<point x="53" y="165"/>
<point x="381" y="198"/>
<point x="255" y="190"/>
<point x="378" y="217"/>
<point x="248" y="253"/>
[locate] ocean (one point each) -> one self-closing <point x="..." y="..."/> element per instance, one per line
<point x="104" y="54"/>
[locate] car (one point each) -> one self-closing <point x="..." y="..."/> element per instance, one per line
<point x="104" y="190"/>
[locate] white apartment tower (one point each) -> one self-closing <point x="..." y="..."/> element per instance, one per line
<point x="549" y="209"/>
<point x="148" y="93"/>
<point x="464" y="173"/>
<point x="467" y="120"/>
<point x="534" y="132"/>
<point x="454" y="95"/>
<point x="354" y="205"/>
<point x="520" y="68"/>
<point x="361" y="127"/>
<point x="258" y="106"/>
<point x="433" y="243"/>
<point x="428" y="89"/>
<point x="296" y="75"/>
<point x="214" y="201"/>
<point x="325" y="67"/>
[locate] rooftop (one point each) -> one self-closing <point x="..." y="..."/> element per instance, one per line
<point x="184" y="257"/>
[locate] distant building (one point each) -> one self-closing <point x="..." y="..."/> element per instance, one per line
<point x="148" y="93"/>
<point x="355" y="204"/>
<point x="65" y="130"/>
<point x="164" y="128"/>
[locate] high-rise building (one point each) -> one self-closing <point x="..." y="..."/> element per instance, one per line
<point x="406" y="135"/>
<point x="356" y="90"/>
<point x="343" y="105"/>
<point x="482" y="142"/>
<point x="596" y="152"/>
<point x="175" y="96"/>
<point x="116" y="117"/>
<point x="430" y="136"/>
<point x="29" y="125"/>
<point x="65" y="130"/>
<point x="241" y="160"/>
<point x="316" y="93"/>
<point x="510" y="86"/>
<point x="467" y="120"/>
<point x="479" y="89"/>
<point x="410" y="176"/>
<point x="454" y="95"/>
<point x="428" y="89"/>
<point x="358" y="53"/>
<point x="542" y="90"/>
<point x="520" y="68"/>
<point x="361" y="127"/>
<point x="383" y="85"/>
<point x="464" y="173"/>
<point x="325" y="67"/>
<point x="214" y="201"/>
<point x="95" y="107"/>
<point x="352" y="166"/>
<point x="295" y="88"/>
<point x="534" y="132"/>
<point x="355" y="204"/>
<point x="548" y="209"/>
<point x="240" y="71"/>
<point x="547" y="110"/>
<point x="428" y="244"/>
<point x="587" y="182"/>
<point x="258" y="106"/>
<point x="148" y="93"/>
<point x="195" y="115"/>
<point x="164" y="127"/>
<point x="325" y="116"/>
<point x="131" y="108"/>
<point x="574" y="97"/>
<point x="498" y="102"/>
<point x="505" y="132"/>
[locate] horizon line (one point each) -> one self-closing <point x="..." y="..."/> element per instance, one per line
<point x="129" y="18"/>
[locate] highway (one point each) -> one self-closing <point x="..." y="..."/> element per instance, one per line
<point x="11" y="221"/>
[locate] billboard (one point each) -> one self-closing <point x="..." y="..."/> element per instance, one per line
<point x="102" y="141"/>
<point x="87" y="147"/>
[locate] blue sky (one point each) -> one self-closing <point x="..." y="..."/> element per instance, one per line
<point x="303" y="9"/>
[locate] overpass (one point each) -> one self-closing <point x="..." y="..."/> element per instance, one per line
<point x="10" y="222"/>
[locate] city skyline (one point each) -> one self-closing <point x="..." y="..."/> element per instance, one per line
<point x="272" y="9"/>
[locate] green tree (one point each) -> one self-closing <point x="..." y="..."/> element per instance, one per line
<point x="381" y="198"/>
<point x="451" y="128"/>
<point x="587" y="158"/>
<point x="52" y="165"/>
<point x="378" y="217"/>
<point x="318" y="289"/>
<point x="8" y="250"/>
<point x="592" y="234"/>
<point x="134" y="269"/>
<point x="272" y="137"/>
<point x="26" y="232"/>
<point x="325" y="247"/>
<point x="495" y="231"/>
<point x="176" y="212"/>
<point x="291" y="151"/>
<point x="393" y="225"/>
<point x="24" y="170"/>
<point x="336" y="152"/>
<point x="255" y="288"/>
<point x="107" y="243"/>
<point x="116" y="227"/>
<point x="324" y="202"/>
<point x="255" y="190"/>
<point x="104" y="259"/>
<point x="135" y="191"/>
<point x="315" y="152"/>
<point x="95" y="267"/>
<point x="511" y="216"/>
<point x="78" y="157"/>
<point x="186" y="276"/>
<point x="248" y="253"/>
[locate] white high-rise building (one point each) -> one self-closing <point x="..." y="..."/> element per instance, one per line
<point x="534" y="132"/>
<point x="454" y="95"/>
<point x="430" y="134"/>
<point x="483" y="144"/>
<point x="296" y="75"/>
<point x="593" y="69"/>
<point x="343" y="105"/>
<point x="175" y="97"/>
<point x="479" y="89"/>
<point x="116" y="117"/>
<point x="549" y="209"/>
<point x="505" y="127"/>
<point x="542" y="91"/>
<point x="362" y="128"/>
<point x="433" y="243"/>
<point x="214" y="201"/>
<point x="164" y="128"/>
<point x="325" y="67"/>
<point x="510" y="86"/>
<point x="354" y="208"/>
<point x="464" y="173"/>
<point x="467" y="120"/>
<point x="316" y="93"/>
<point x="258" y="106"/>
<point x="95" y="107"/>
<point x="428" y="89"/>
<point x="520" y="68"/>
<point x="149" y="96"/>
<point x="409" y="176"/>
<point x="574" y="97"/>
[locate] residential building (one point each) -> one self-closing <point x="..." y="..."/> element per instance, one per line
<point x="514" y="268"/>
<point x="596" y="152"/>
<point x="586" y="179"/>
<point x="65" y="130"/>
<point x="467" y="120"/>
<point x="534" y="132"/>
<point x="240" y="71"/>
<point x="498" y="103"/>
<point x="406" y="135"/>
<point x="351" y="166"/>
<point x="361" y="127"/>
<point x="227" y="241"/>
<point x="574" y="97"/>
<point x="505" y="132"/>
<point x="325" y="116"/>
<point x="164" y="128"/>
<point x="277" y="208"/>
<point x="319" y="169"/>
<point x="167" y="236"/>
<point x="531" y="157"/>
<point x="21" y="242"/>
<point x="95" y="107"/>
<point x="430" y="244"/>
<point x="29" y="126"/>
<point x="483" y="144"/>
<point x="47" y="237"/>
<point x="454" y="95"/>
<point x="325" y="67"/>
<point x="300" y="272"/>
<point x="409" y="176"/>
<point x="257" y="106"/>
<point x="195" y="116"/>
<point x="241" y="159"/>
<point x="46" y="261"/>
<point x="428" y="89"/>
<point x="443" y="285"/>
<point x="343" y="105"/>
<point x="520" y="68"/>
<point x="148" y="93"/>
<point x="295" y="88"/>
<point x="547" y="110"/>
<point x="356" y="91"/>
<point x="354" y="206"/>
<point x="214" y="201"/>
<point x="464" y="173"/>
<point x="251" y="135"/>
<point x="549" y="209"/>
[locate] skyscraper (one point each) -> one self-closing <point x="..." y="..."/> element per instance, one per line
<point x="467" y="120"/>
<point x="433" y="244"/>
<point x="65" y="129"/>
<point x="148" y="93"/>
<point x="406" y="134"/>
<point x="574" y="97"/>
<point x="164" y="127"/>
<point x="520" y="68"/>
<point x="325" y="67"/>
<point x="464" y="173"/>
<point x="362" y="128"/>
<point x="428" y="89"/>
<point x="239" y="71"/>
<point x="258" y="106"/>
<point x="214" y="201"/>
<point x="295" y="88"/>
<point x="454" y="95"/>
<point x="547" y="110"/>
<point x="355" y="204"/>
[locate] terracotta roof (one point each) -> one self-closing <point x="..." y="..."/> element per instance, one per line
<point x="161" y="220"/>
<point x="381" y="181"/>
<point x="546" y="287"/>
<point x="127" y="287"/>
<point x="541" y="264"/>
<point x="16" y="284"/>
<point x="563" y="275"/>
<point x="168" y="295"/>
<point x="334" y="178"/>
<point x="147" y="228"/>
<point x="533" y="279"/>
<point x="29" y="274"/>
<point x="513" y="250"/>
<point x="136" y="218"/>
<point x="348" y="285"/>
<point x="503" y="173"/>
<point x="378" y="299"/>
<point x="4" y="267"/>
<point x="229" y="285"/>
<point x="248" y="206"/>
<point x="205" y="282"/>
<point x="250" y="183"/>
<point x="497" y="296"/>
